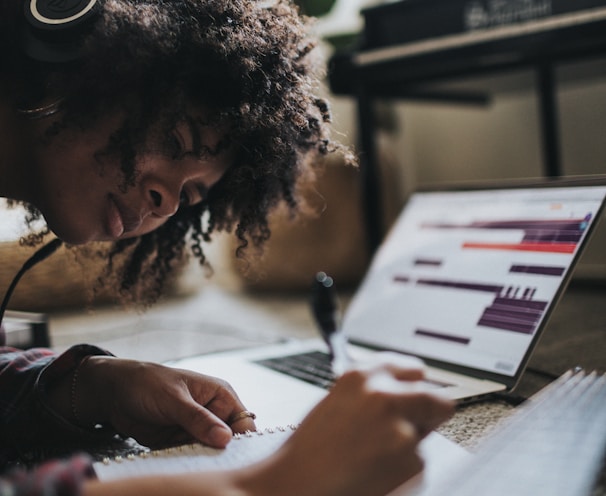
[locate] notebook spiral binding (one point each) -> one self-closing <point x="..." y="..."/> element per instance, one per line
<point x="191" y="448"/>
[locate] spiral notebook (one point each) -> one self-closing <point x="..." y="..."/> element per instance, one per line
<point x="553" y="444"/>
<point x="245" y="449"/>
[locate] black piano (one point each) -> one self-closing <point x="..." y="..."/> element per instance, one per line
<point x="408" y="44"/>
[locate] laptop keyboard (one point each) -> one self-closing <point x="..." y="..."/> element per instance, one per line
<point x="312" y="367"/>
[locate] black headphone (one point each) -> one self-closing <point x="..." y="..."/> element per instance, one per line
<point x="53" y="29"/>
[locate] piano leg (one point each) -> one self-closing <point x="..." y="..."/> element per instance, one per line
<point x="548" y="111"/>
<point x="370" y="171"/>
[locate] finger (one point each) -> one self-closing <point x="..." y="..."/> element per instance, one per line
<point x="242" y="421"/>
<point x="164" y="438"/>
<point x="400" y="367"/>
<point x="425" y="411"/>
<point x="203" y="424"/>
<point x="227" y="406"/>
<point x="393" y="362"/>
<point x="217" y="396"/>
<point x="395" y="372"/>
<point x="399" y="360"/>
<point x="405" y="374"/>
<point x="395" y="380"/>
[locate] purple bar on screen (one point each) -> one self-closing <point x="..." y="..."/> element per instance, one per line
<point x="537" y="269"/>
<point x="428" y="261"/>
<point x="555" y="236"/>
<point x="507" y="326"/>
<point x="440" y="335"/>
<point x="525" y="313"/>
<point x="490" y="288"/>
<point x="536" y="304"/>
<point x="513" y="314"/>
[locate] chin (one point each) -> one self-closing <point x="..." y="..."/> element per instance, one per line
<point x="72" y="236"/>
<point x="71" y="239"/>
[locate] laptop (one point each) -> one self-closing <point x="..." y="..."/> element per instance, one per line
<point x="465" y="281"/>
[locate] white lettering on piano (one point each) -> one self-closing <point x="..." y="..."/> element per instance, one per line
<point x="486" y="14"/>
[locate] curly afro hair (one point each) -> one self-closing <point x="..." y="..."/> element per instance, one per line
<point x="249" y="62"/>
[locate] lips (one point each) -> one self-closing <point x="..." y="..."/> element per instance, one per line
<point x="122" y="219"/>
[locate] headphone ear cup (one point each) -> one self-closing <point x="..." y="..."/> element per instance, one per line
<point x="53" y="28"/>
<point x="58" y="14"/>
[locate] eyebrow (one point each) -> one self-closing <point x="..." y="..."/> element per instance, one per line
<point x="198" y="147"/>
<point x="194" y="131"/>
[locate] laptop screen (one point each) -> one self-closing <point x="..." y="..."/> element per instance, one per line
<point x="467" y="277"/>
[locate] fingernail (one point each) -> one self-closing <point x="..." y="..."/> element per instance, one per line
<point x="219" y="436"/>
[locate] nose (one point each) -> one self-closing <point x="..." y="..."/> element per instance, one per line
<point x="164" y="202"/>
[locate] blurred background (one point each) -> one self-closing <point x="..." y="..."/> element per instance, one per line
<point x="420" y="139"/>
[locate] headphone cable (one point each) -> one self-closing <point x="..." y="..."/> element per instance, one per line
<point x="44" y="252"/>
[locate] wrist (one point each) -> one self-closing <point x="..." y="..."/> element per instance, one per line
<point x="87" y="392"/>
<point x="75" y="396"/>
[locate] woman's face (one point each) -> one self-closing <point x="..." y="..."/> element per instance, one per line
<point x="82" y="194"/>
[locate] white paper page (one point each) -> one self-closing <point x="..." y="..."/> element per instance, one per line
<point x="441" y="457"/>
<point x="241" y="451"/>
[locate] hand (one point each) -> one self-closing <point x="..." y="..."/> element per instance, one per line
<point x="158" y="405"/>
<point x="361" y="439"/>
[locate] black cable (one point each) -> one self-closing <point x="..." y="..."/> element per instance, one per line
<point x="46" y="251"/>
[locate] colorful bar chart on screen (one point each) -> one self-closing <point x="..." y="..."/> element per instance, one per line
<point x="471" y="276"/>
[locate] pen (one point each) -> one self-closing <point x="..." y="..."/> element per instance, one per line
<point x="326" y="313"/>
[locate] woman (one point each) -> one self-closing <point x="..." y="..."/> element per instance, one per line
<point x="152" y="124"/>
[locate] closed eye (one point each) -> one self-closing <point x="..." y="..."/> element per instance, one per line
<point x="174" y="146"/>
<point x="193" y="194"/>
<point x="184" y="199"/>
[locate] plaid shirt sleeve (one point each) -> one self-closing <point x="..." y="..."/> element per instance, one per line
<point x="27" y="421"/>
<point x="55" y="478"/>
